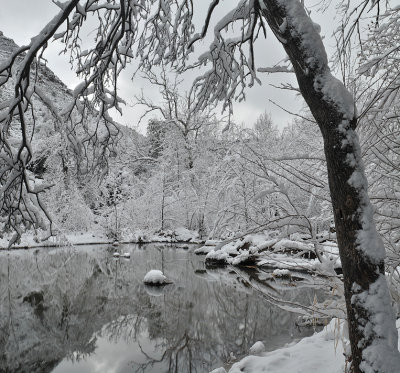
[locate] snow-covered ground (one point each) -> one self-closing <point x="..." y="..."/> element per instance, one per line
<point x="322" y="352"/>
<point x="31" y="240"/>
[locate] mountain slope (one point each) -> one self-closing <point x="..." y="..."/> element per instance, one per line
<point x="73" y="152"/>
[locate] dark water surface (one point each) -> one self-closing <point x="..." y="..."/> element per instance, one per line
<point x="80" y="310"/>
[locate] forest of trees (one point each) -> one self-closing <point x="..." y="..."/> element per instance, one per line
<point x="72" y="167"/>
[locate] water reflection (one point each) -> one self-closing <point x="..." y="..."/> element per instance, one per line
<point x="81" y="310"/>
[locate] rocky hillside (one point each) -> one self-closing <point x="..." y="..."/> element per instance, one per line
<point x="46" y="79"/>
<point x="70" y="152"/>
<point x="56" y="93"/>
<point x="47" y="139"/>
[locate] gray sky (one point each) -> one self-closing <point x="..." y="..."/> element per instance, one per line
<point x="23" y="19"/>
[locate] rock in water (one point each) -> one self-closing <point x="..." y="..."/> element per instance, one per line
<point x="257" y="348"/>
<point x="155" y="277"/>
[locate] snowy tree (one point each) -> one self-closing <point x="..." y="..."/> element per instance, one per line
<point x="155" y="135"/>
<point x="368" y="53"/>
<point x="163" y="32"/>
<point x="361" y="250"/>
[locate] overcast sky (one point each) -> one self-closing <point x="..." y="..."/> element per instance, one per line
<point x="23" y="19"/>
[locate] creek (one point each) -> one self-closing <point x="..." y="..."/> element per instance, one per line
<point x="78" y="309"/>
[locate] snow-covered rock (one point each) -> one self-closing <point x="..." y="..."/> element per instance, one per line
<point x="154" y="277"/>
<point x="281" y="272"/>
<point x="219" y="370"/>
<point x="278" y="253"/>
<point x="257" y="348"/>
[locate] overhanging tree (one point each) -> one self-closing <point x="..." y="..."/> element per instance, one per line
<point x="162" y="31"/>
<point x="371" y="321"/>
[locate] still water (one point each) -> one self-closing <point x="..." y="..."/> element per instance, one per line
<point x="80" y="310"/>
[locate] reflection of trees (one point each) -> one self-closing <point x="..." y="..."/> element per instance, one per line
<point x="53" y="318"/>
<point x="202" y="325"/>
<point x="177" y="357"/>
<point x="192" y="326"/>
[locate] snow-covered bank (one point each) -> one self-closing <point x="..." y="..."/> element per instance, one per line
<point x="31" y="240"/>
<point x="298" y="252"/>
<point x="322" y="352"/>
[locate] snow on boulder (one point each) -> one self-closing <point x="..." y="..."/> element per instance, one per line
<point x="234" y="252"/>
<point x="257" y="348"/>
<point x="155" y="277"/>
<point x="219" y="370"/>
<point x="281" y="272"/>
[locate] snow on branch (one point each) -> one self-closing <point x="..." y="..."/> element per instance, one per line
<point x="379" y="64"/>
<point x="231" y="56"/>
<point x="275" y="69"/>
<point x="19" y="195"/>
<point x="155" y="33"/>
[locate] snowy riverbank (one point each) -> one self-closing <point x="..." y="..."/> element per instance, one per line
<point x="31" y="240"/>
<point x="322" y="352"/>
<point x="281" y="255"/>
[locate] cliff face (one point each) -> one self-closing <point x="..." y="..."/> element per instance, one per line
<point x="46" y="79"/>
<point x="7" y="46"/>
<point x="56" y="92"/>
<point x="58" y="95"/>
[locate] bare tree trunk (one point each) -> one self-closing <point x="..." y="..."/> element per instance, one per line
<point x="163" y="201"/>
<point x="372" y="330"/>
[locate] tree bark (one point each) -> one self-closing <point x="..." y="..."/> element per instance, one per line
<point x="361" y="272"/>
